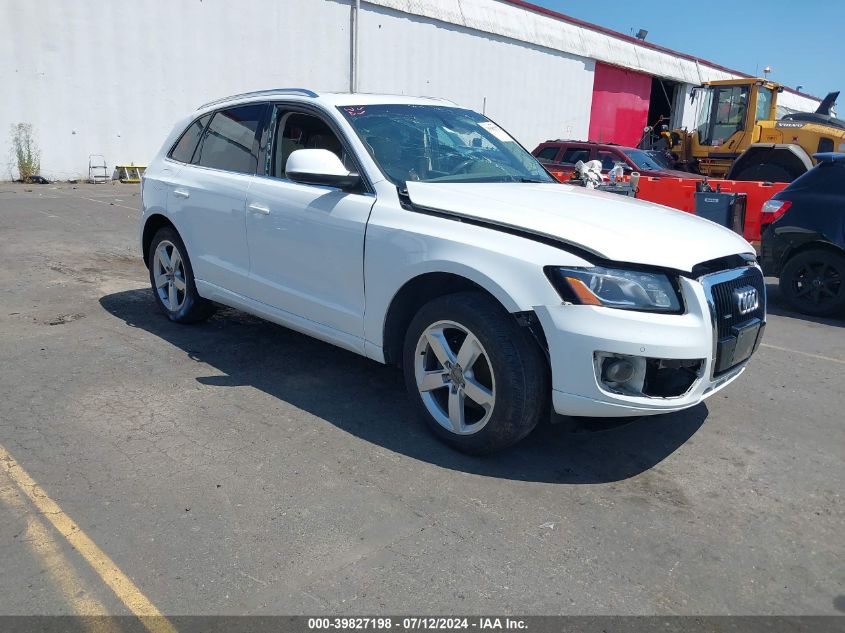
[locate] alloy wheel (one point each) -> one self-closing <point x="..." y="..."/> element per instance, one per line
<point x="454" y="377"/>
<point x="169" y="276"/>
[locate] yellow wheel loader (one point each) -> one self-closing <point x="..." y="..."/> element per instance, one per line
<point x="738" y="135"/>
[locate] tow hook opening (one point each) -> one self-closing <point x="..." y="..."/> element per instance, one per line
<point x="631" y="375"/>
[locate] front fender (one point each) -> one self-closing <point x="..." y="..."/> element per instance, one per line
<point x="401" y="245"/>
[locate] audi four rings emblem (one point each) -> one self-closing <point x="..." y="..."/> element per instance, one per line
<point x="746" y="299"/>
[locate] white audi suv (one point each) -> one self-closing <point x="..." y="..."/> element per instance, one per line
<point x="418" y="233"/>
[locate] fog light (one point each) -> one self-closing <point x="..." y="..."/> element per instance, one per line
<point x="621" y="373"/>
<point x="617" y="370"/>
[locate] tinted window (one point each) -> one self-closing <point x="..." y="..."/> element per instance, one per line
<point x="547" y="153"/>
<point x="295" y="130"/>
<point x="229" y="142"/>
<point x="825" y="145"/>
<point x="642" y="160"/>
<point x="609" y="160"/>
<point x="183" y="151"/>
<point x="574" y="154"/>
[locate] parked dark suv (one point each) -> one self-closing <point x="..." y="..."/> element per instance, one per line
<point x="803" y="238"/>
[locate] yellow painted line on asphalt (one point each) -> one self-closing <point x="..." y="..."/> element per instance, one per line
<point x="809" y="354"/>
<point x="57" y="566"/>
<point x="128" y="593"/>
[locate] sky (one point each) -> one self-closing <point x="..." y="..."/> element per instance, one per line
<point x="800" y="41"/>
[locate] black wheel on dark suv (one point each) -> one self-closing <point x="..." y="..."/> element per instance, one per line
<point x="813" y="282"/>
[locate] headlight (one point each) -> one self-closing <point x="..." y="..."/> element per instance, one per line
<point x="617" y="288"/>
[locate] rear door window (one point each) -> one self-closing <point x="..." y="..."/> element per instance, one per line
<point x="573" y="154"/>
<point x="184" y="149"/>
<point x="547" y="154"/>
<point x="230" y="141"/>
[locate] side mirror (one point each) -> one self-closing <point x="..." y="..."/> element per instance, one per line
<point x="319" y="167"/>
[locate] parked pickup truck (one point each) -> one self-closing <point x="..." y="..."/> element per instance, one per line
<point x="418" y="233"/>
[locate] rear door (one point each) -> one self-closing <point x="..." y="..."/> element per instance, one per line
<point x="209" y="202"/>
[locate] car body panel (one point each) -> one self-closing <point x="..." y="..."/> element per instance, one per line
<point x="212" y="223"/>
<point x="610" y="226"/>
<point x="307" y="251"/>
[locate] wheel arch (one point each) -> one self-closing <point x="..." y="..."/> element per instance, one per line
<point x="789" y="156"/>
<point x="153" y="224"/>
<point x="421" y="289"/>
<point x="816" y="244"/>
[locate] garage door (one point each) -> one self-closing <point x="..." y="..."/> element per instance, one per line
<point x="620" y="105"/>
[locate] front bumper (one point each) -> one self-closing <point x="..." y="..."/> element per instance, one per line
<point x="575" y="333"/>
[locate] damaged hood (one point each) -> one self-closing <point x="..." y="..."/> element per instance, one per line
<point x="611" y="226"/>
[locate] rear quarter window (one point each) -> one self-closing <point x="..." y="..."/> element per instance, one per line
<point x="229" y="142"/>
<point x="184" y="149"/>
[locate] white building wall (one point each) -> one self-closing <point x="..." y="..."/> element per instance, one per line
<point x="112" y="78"/>
<point x="533" y="92"/>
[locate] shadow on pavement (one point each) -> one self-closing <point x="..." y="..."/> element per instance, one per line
<point x="369" y="401"/>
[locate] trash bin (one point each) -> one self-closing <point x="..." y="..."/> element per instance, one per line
<point x="727" y="209"/>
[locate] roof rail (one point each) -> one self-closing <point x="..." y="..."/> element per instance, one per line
<point x="257" y="93"/>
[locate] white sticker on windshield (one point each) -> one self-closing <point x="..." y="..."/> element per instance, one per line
<point x="495" y="130"/>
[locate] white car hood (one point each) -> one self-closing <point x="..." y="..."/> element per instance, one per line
<point x="608" y="225"/>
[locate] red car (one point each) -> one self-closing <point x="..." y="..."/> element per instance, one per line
<point x="560" y="156"/>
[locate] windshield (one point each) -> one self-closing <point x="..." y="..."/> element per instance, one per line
<point x="642" y="160"/>
<point x="441" y="144"/>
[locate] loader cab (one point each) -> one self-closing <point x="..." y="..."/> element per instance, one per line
<point x="727" y="121"/>
<point x="728" y="112"/>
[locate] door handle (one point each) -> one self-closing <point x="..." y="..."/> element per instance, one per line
<point x="257" y="207"/>
<point x="181" y="193"/>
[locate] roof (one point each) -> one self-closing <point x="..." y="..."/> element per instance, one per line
<point x="328" y="98"/>
<point x="830" y="157"/>
<point x="627" y="38"/>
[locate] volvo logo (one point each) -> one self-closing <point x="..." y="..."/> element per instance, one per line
<point x="746" y="299"/>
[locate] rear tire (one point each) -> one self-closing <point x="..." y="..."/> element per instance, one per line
<point x="813" y="282"/>
<point x="172" y="279"/>
<point x="477" y="379"/>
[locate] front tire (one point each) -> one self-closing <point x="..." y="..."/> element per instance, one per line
<point x="172" y="279"/>
<point x="477" y="379"/>
<point x="813" y="282"/>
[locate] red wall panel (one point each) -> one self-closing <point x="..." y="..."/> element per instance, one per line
<point x="620" y="105"/>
